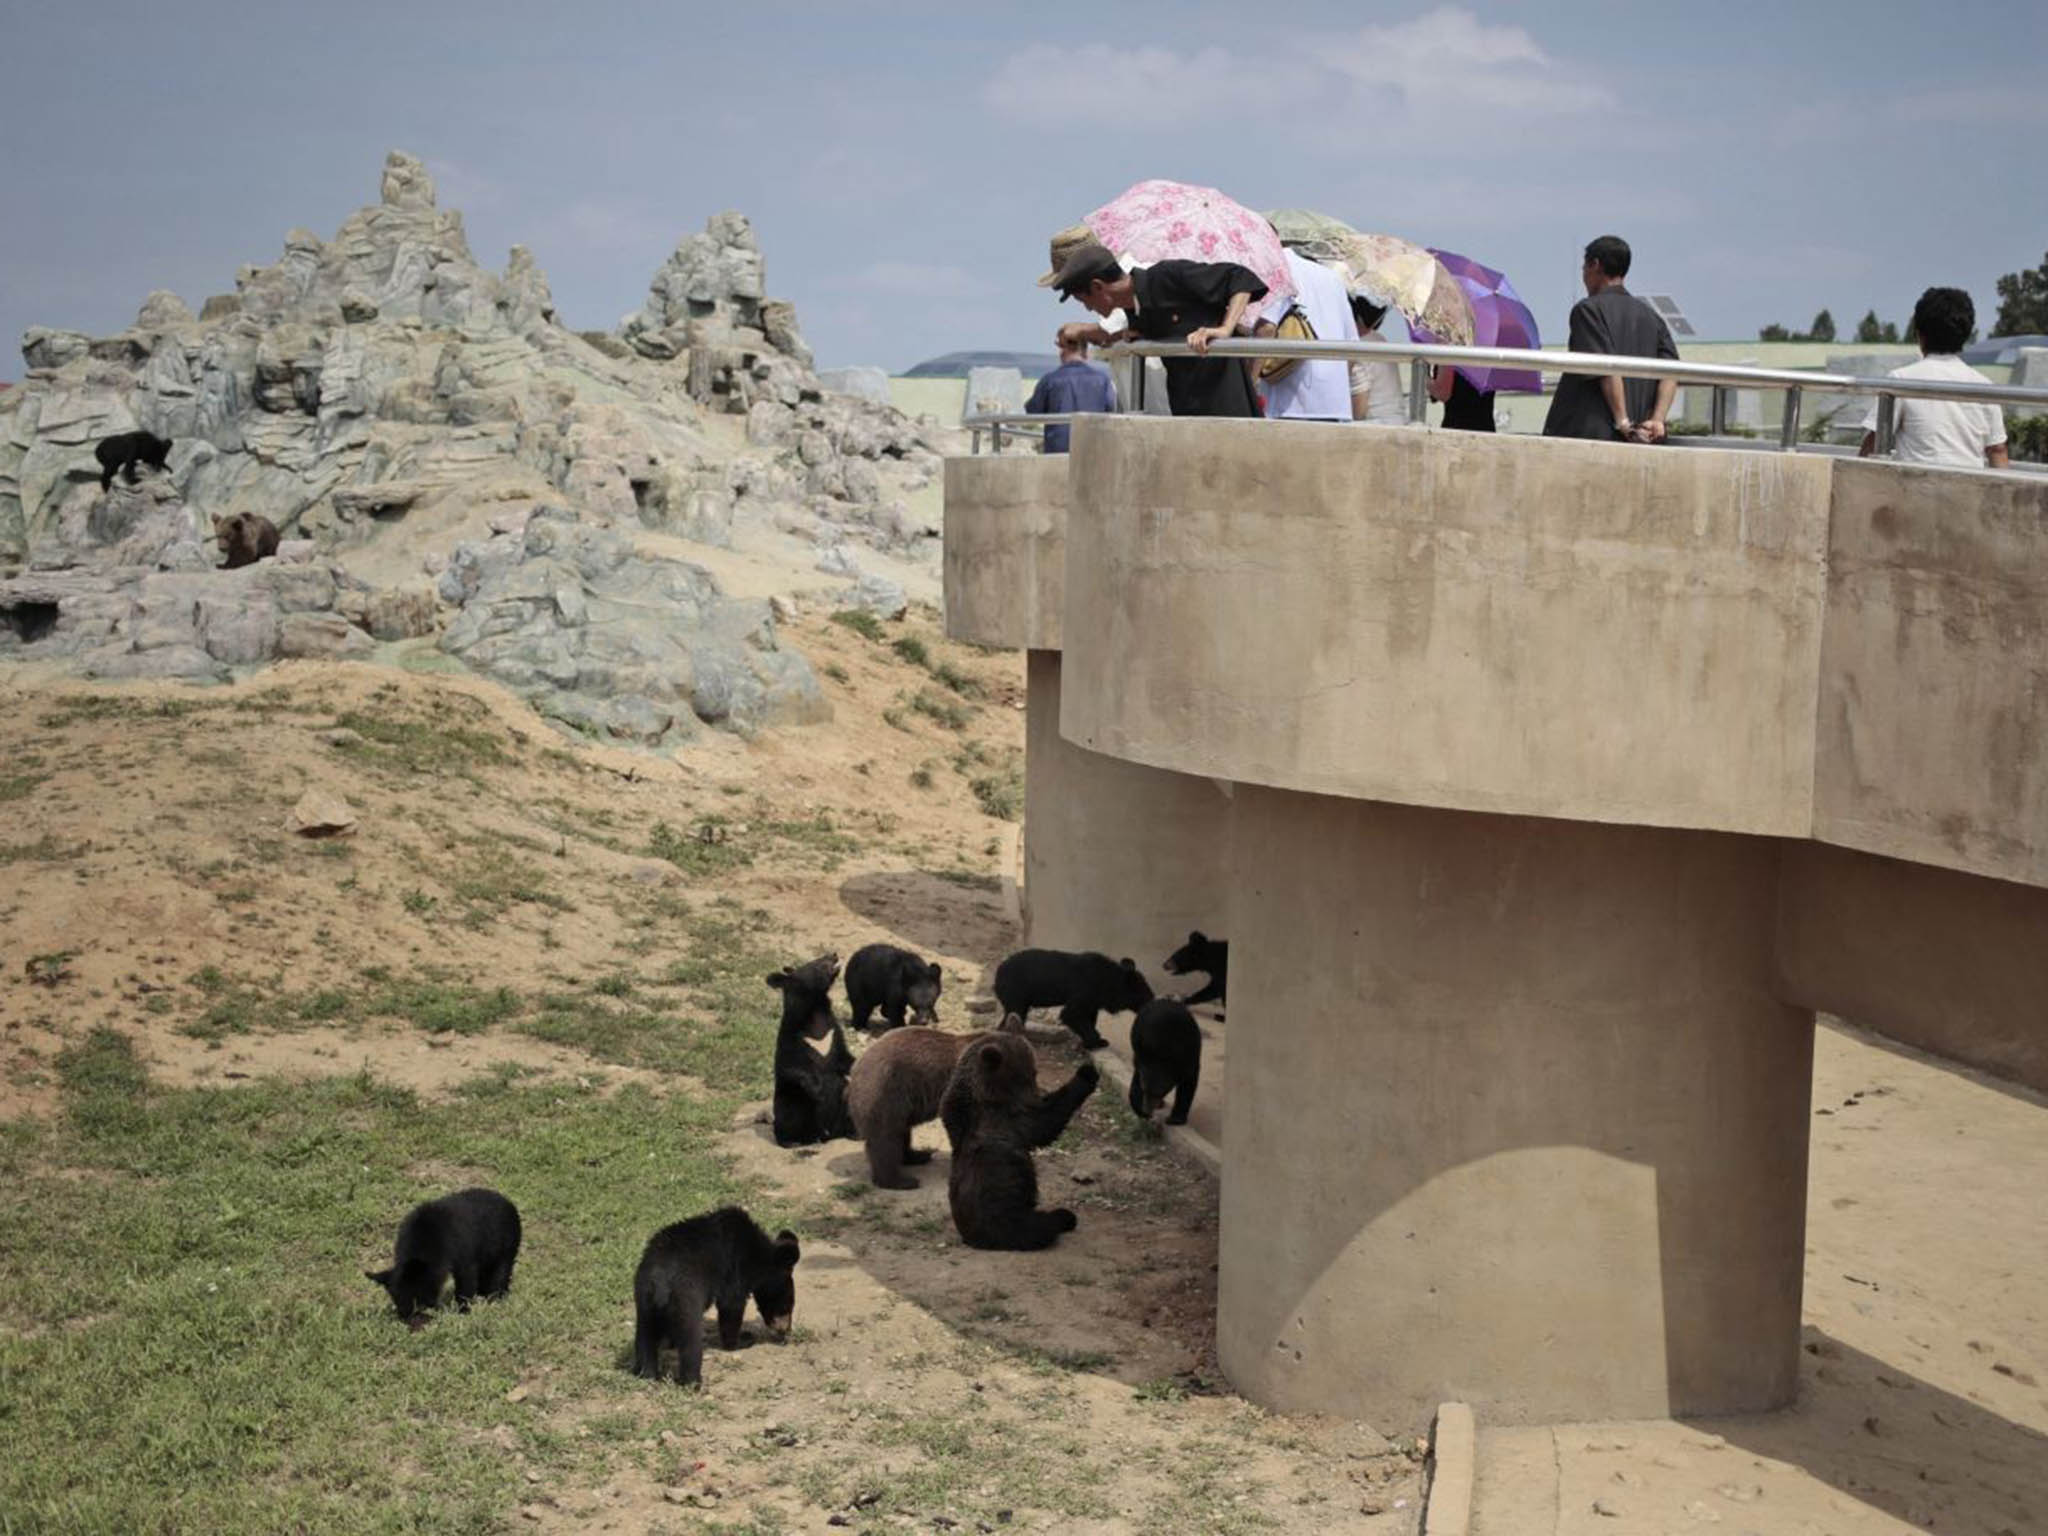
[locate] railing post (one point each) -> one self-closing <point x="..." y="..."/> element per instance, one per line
<point x="1788" y="435"/>
<point x="1418" y="390"/>
<point x="1717" y="411"/>
<point x="1138" y="370"/>
<point x="1886" y="427"/>
<point x="974" y="440"/>
<point x="995" y="437"/>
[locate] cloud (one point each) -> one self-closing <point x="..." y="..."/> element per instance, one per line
<point x="1443" y="69"/>
<point x="1129" y="87"/>
<point x="1447" y="61"/>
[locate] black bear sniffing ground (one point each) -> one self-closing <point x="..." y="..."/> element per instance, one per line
<point x="1082" y="986"/>
<point x="718" y="1259"/>
<point x="810" y="1089"/>
<point x="1209" y="956"/>
<point x="895" y="981"/>
<point x="1166" y="1057"/>
<point x="996" y="1118"/>
<point x="898" y="1083"/>
<point x="120" y="454"/>
<point x="471" y="1237"/>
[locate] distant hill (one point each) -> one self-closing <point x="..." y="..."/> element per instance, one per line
<point x="954" y="365"/>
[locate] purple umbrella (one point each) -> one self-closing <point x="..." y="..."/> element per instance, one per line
<point x="1499" y="319"/>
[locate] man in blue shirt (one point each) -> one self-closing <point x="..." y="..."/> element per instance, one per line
<point x="1076" y="385"/>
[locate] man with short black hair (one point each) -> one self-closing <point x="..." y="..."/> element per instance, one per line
<point x="1193" y="301"/>
<point x="1611" y="320"/>
<point x="1951" y="434"/>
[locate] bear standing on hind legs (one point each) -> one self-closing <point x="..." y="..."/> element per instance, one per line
<point x="810" y="1089"/>
<point x="996" y="1118"/>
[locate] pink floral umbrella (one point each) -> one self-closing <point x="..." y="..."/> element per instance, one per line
<point x="1162" y="220"/>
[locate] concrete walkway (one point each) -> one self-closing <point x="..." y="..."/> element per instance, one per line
<point x="1923" y="1398"/>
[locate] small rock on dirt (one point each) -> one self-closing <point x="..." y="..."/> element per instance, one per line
<point x="1608" y="1508"/>
<point x="321" y="814"/>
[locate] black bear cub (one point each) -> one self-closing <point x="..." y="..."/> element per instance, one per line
<point x="1081" y="986"/>
<point x="120" y="454"/>
<point x="1166" y="1055"/>
<point x="471" y="1236"/>
<point x="810" y="1089"/>
<point x="718" y="1259"/>
<point x="1209" y="956"/>
<point x="893" y="980"/>
<point x="995" y="1118"/>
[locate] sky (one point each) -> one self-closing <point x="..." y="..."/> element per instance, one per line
<point x="905" y="164"/>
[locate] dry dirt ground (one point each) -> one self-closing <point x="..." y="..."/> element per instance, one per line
<point x="510" y="904"/>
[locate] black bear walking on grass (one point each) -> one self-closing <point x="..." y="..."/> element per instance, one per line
<point x="120" y="454"/>
<point x="996" y="1118"/>
<point x="1210" y="956"/>
<point x="810" y="1089"/>
<point x="1081" y="986"/>
<point x="893" y="980"/>
<point x="1166" y="1057"/>
<point x="471" y="1236"/>
<point x="718" y="1259"/>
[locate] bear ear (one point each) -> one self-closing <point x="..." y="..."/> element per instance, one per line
<point x="218" y="521"/>
<point x="1013" y="1024"/>
<point x="1196" y="937"/>
<point x="380" y="1276"/>
<point x="778" y="979"/>
<point x="933" y="971"/>
<point x="786" y="1250"/>
<point x="1128" y="963"/>
<point x="991" y="1058"/>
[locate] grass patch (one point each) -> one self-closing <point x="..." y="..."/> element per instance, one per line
<point x="191" y="1345"/>
<point x="115" y="707"/>
<point x="44" y="850"/>
<point x="708" y="848"/>
<point x="424" y="746"/>
<point x="946" y="675"/>
<point x="19" y="786"/>
<point x="937" y="707"/>
<point x="911" y="649"/>
<point x="860" y="621"/>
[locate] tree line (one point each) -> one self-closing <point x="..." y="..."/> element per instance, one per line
<point x="2022" y="311"/>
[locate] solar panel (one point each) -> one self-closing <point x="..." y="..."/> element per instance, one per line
<point x="1674" y="317"/>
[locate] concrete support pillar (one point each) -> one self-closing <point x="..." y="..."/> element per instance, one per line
<point x="1514" y="1117"/>
<point x="1117" y="856"/>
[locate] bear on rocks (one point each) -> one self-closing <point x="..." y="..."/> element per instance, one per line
<point x="715" y="1260"/>
<point x="1209" y="956"/>
<point x="1166" y="1057"/>
<point x="996" y="1118"/>
<point x="1080" y="985"/>
<point x="120" y="454"/>
<point x="893" y="980"/>
<point x="898" y="1083"/>
<point x="244" y="538"/>
<point x="471" y="1236"/>
<point x="810" y="1089"/>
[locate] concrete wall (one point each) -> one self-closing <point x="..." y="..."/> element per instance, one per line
<point x="1511" y="1115"/>
<point x="1933" y="741"/>
<point x="1005" y="550"/>
<point x="1562" y="629"/>
<point x="1117" y="856"/>
<point x="1954" y="964"/>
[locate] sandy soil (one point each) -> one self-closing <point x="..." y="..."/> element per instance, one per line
<point x="146" y="842"/>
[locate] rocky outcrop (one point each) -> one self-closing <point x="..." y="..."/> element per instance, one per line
<point x="384" y="376"/>
<point x="619" y="644"/>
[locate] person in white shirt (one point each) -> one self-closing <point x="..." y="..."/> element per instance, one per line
<point x="1951" y="434"/>
<point x="1311" y="391"/>
<point x="1376" y="393"/>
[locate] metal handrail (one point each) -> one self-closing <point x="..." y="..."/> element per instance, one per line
<point x="1722" y="376"/>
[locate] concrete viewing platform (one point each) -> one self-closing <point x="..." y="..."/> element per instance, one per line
<point x="1543" y="790"/>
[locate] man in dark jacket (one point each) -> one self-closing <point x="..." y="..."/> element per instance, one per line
<point x="1193" y="301"/>
<point x="1612" y="320"/>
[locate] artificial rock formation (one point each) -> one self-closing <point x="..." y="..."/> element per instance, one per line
<point x="385" y="376"/>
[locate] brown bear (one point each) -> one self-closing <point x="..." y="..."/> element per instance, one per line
<point x="245" y="538"/>
<point x="996" y="1118"/>
<point x="897" y="1083"/>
